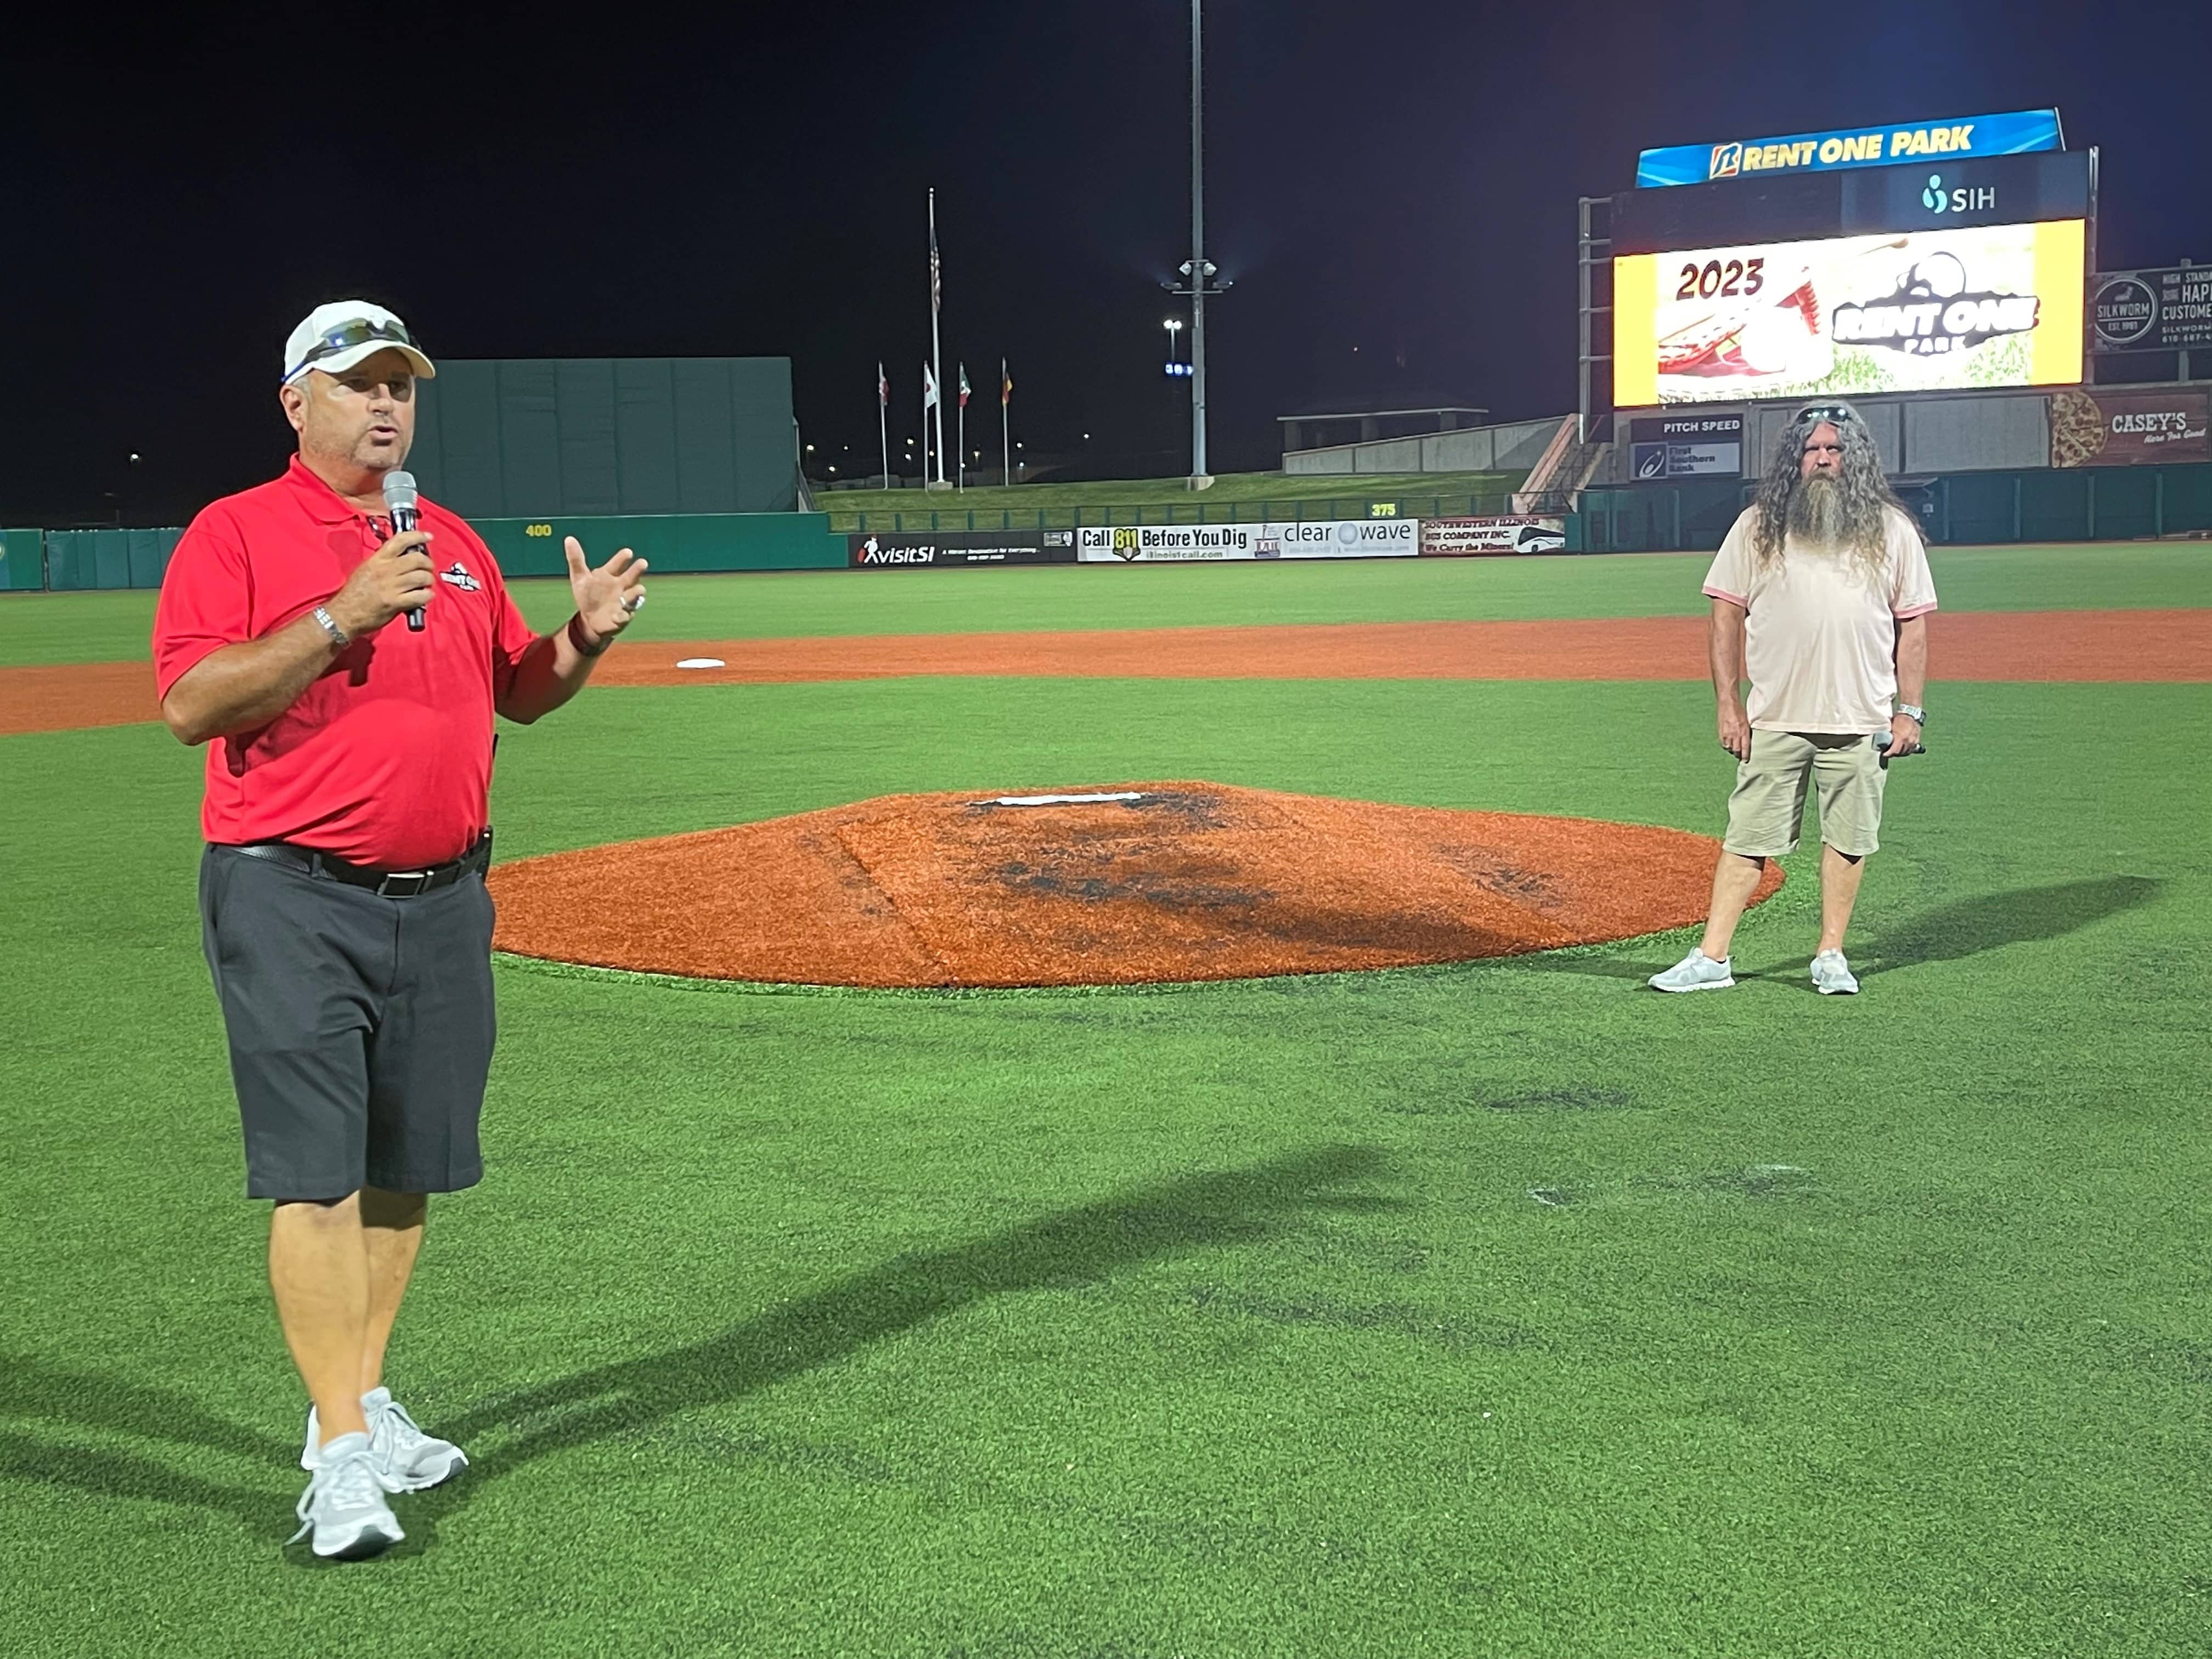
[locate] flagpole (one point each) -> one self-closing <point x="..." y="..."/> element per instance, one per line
<point x="883" y="420"/>
<point x="1005" y="449"/>
<point x="936" y="351"/>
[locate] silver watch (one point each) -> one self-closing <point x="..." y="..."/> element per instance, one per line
<point x="330" y="626"/>
<point x="1911" y="713"/>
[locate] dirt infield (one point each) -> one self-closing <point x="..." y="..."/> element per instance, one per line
<point x="1983" y="645"/>
<point x="1140" y="882"/>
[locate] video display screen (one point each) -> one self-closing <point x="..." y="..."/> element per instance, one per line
<point x="1911" y="311"/>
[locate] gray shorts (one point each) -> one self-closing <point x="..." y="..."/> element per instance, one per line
<point x="361" y="1028"/>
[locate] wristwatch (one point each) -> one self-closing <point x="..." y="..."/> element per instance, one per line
<point x="1918" y="715"/>
<point x="330" y="626"/>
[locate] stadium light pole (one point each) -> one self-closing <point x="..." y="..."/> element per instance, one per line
<point x="1197" y="272"/>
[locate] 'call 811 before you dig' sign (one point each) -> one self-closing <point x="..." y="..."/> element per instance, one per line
<point x="2152" y="310"/>
<point x="1305" y="538"/>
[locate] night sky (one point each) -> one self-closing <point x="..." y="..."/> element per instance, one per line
<point x="1390" y="184"/>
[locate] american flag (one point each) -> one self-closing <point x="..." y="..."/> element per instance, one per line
<point x="936" y="274"/>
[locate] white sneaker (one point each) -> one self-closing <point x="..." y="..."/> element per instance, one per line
<point x="407" y="1460"/>
<point x="344" y="1505"/>
<point x="1831" y="976"/>
<point x="1695" y="972"/>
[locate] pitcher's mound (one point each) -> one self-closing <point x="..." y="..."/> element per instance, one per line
<point x="1107" y="885"/>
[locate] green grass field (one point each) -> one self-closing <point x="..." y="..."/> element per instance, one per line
<point x="1496" y="1310"/>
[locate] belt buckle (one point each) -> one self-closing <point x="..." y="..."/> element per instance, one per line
<point x="417" y="880"/>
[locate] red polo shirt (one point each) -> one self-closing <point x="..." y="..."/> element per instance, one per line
<point x="385" y="760"/>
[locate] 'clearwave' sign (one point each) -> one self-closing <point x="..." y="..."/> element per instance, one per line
<point x="2014" y="134"/>
<point x="1203" y="544"/>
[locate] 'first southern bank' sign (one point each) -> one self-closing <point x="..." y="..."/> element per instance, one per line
<point x="1859" y="147"/>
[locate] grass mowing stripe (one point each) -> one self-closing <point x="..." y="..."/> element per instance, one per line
<point x="1215" y="1320"/>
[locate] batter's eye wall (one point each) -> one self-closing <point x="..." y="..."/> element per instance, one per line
<point x="516" y="437"/>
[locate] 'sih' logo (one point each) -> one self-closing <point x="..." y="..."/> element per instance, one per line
<point x="1126" y="544"/>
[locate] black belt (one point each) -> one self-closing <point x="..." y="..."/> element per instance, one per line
<point x="385" y="884"/>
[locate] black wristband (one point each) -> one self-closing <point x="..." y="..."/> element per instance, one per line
<point x="577" y="638"/>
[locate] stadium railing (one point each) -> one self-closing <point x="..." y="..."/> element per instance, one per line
<point x="1286" y="511"/>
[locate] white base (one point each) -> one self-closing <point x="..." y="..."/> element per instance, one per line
<point x="1201" y="481"/>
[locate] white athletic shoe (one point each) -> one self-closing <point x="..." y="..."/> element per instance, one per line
<point x="1831" y="976"/>
<point x="406" y="1459"/>
<point x="1695" y="972"/>
<point x="344" y="1505"/>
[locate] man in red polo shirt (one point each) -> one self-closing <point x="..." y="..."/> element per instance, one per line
<point x="342" y="895"/>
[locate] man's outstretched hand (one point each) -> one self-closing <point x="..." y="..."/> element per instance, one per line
<point x="608" y="598"/>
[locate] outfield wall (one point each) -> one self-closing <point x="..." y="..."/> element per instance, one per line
<point x="2086" y="504"/>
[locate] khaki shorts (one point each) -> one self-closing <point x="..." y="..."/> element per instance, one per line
<point x="1769" y="801"/>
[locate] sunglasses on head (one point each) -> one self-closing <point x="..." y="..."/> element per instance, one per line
<point x="346" y="336"/>
<point x="1813" y="414"/>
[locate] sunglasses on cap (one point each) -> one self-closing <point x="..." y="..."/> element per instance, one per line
<point x="346" y="336"/>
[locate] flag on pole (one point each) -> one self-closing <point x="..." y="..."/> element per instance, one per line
<point x="928" y="388"/>
<point x="1005" y="385"/>
<point x="936" y="273"/>
<point x="883" y="387"/>
<point x="963" y="386"/>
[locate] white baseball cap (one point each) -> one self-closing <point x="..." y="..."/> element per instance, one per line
<point x="333" y="338"/>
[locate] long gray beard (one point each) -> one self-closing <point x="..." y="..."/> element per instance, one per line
<point x="1817" y="514"/>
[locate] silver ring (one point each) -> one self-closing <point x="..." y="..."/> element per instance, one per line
<point x="633" y="604"/>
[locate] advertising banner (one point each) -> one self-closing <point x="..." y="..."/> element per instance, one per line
<point x="2009" y="190"/>
<point x="2127" y="428"/>
<point x="1463" y="538"/>
<point x="1196" y="544"/>
<point x="2013" y="133"/>
<point x="1686" y="447"/>
<point x="2152" y="310"/>
<point x="942" y="549"/>
<point x="1938" y="310"/>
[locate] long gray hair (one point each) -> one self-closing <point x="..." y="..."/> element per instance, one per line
<point x="1855" y="518"/>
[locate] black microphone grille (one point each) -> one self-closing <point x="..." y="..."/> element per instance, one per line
<point x="399" y="492"/>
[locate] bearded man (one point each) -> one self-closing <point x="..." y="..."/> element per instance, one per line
<point x="1821" y="594"/>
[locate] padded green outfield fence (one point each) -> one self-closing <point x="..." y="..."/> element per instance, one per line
<point x="23" y="559"/>
<point x="669" y="542"/>
<point x="2087" y="504"/>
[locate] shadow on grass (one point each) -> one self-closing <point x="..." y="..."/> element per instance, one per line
<point x="1067" y="1248"/>
<point x="32" y="1389"/>
<point x="1966" y="927"/>
<point x="2023" y="916"/>
<point x="107" y="1473"/>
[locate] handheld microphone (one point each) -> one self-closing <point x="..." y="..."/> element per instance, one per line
<point x="403" y="504"/>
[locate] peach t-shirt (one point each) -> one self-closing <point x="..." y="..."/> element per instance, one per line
<point x="1820" y="641"/>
